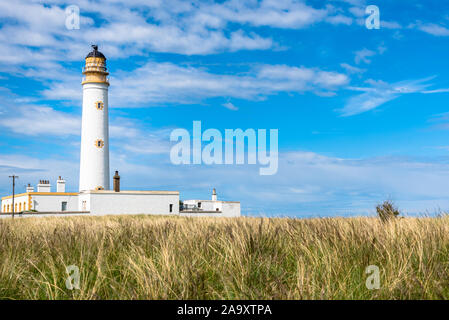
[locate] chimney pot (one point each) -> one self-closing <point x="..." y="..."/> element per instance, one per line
<point x="116" y="182"/>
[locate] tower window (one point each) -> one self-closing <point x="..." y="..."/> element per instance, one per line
<point x="171" y="208"/>
<point x="99" y="143"/>
<point x="99" y="105"/>
<point x="64" y="206"/>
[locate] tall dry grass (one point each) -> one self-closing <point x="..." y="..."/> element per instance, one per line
<point x="147" y="257"/>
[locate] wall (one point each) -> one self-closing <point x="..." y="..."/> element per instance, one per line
<point x="128" y="202"/>
<point x="21" y="199"/>
<point x="231" y="209"/>
<point x="53" y="202"/>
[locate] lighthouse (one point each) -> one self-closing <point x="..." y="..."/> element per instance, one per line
<point x="94" y="157"/>
<point x="94" y="196"/>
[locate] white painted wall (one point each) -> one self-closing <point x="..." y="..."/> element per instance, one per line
<point x="130" y="202"/>
<point x="94" y="162"/>
<point x="45" y="203"/>
<point x="23" y="199"/>
<point x="231" y="209"/>
<point x="53" y="202"/>
<point x="126" y="202"/>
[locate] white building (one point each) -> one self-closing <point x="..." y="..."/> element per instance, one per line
<point x="211" y="207"/>
<point x="43" y="200"/>
<point x="94" y="196"/>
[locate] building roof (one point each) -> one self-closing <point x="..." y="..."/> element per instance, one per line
<point x="196" y="200"/>
<point x="95" y="53"/>
<point x="41" y="194"/>
<point x="122" y="192"/>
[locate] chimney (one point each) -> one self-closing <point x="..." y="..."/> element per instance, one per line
<point x="60" y="185"/>
<point x="30" y="188"/>
<point x="44" y="186"/>
<point x="116" y="182"/>
<point x="214" y="195"/>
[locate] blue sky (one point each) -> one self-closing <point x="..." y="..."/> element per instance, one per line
<point x="362" y="114"/>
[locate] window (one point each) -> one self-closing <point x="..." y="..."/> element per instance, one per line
<point x="99" y="188"/>
<point x="84" y="205"/>
<point x="199" y="204"/>
<point x="64" y="206"/>
<point x="99" y="105"/>
<point x="99" y="143"/>
<point x="217" y="209"/>
<point x="20" y="207"/>
<point x="171" y="208"/>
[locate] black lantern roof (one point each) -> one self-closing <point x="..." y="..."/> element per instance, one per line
<point x="95" y="53"/>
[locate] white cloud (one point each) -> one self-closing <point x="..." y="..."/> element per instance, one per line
<point x="390" y="24"/>
<point x="381" y="92"/>
<point x="340" y="19"/>
<point x="170" y="83"/>
<point x="138" y="27"/>
<point x="279" y="14"/>
<point x="363" y="55"/>
<point x="230" y="106"/>
<point x="40" y="120"/>
<point x="434" y="29"/>
<point x="351" y="69"/>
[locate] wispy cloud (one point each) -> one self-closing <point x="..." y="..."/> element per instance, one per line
<point x="171" y="83"/>
<point x="364" y="54"/>
<point x="380" y="92"/>
<point x="351" y="69"/>
<point x="139" y="27"/>
<point x="434" y="29"/>
<point x="230" y="106"/>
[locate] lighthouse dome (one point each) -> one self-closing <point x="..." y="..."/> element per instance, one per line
<point x="95" y="53"/>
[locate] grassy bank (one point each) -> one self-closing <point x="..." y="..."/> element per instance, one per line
<point x="145" y="257"/>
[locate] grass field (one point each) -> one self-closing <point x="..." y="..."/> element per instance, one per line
<point x="148" y="257"/>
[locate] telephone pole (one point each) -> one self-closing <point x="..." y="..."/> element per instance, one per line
<point x="14" y="177"/>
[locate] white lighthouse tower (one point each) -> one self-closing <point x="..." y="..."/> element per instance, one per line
<point x="94" y="158"/>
